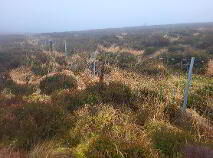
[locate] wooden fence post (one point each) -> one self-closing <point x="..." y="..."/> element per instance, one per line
<point x="188" y="84"/>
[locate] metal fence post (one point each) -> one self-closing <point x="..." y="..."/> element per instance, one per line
<point x="188" y="84"/>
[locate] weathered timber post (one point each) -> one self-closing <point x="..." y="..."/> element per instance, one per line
<point x="188" y="84"/>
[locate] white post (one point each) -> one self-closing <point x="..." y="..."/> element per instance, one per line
<point x="188" y="84"/>
<point x="65" y="48"/>
<point x="94" y="68"/>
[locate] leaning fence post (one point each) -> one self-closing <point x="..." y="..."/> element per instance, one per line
<point x="188" y="84"/>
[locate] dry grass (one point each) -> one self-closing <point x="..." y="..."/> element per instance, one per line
<point x="106" y="131"/>
<point x="86" y="78"/>
<point x="132" y="79"/>
<point x="193" y="122"/>
<point x="157" y="128"/>
<point x="49" y="150"/>
<point x="210" y="68"/>
<point x="158" y="53"/>
<point x="117" y="49"/>
<point x="9" y="153"/>
<point x="22" y="75"/>
<point x="38" y="98"/>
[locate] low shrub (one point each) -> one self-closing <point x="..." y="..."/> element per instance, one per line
<point x="69" y="100"/>
<point x="126" y="60"/>
<point x="57" y="82"/>
<point x="39" y="69"/>
<point x="19" y="89"/>
<point x="114" y="92"/>
<point x="150" y="68"/>
<point x="172" y="112"/>
<point x="200" y="104"/>
<point x="77" y="64"/>
<point x="109" y="57"/>
<point x="61" y="60"/>
<point x="107" y="147"/>
<point x="150" y="50"/>
<point x="103" y="131"/>
<point x="118" y="92"/>
<point x="30" y="124"/>
<point x="146" y="94"/>
<point x="42" y="58"/>
<point x="198" y="100"/>
<point x="167" y="138"/>
<point x="175" y="48"/>
<point x="210" y="50"/>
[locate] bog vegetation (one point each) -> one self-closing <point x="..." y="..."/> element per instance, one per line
<point x="126" y="105"/>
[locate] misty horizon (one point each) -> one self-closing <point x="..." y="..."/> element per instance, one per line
<point x="29" y="16"/>
<point x="107" y="28"/>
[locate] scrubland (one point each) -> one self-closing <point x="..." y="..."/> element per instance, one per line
<point x="54" y="106"/>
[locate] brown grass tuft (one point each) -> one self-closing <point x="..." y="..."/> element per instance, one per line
<point x="9" y="153"/>
<point x="210" y="68"/>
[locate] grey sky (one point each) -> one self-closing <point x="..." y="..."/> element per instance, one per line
<point x="70" y="15"/>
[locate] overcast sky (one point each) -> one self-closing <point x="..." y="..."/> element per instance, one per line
<point x="70" y="15"/>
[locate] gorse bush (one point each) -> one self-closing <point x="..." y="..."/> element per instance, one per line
<point x="57" y="82"/>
